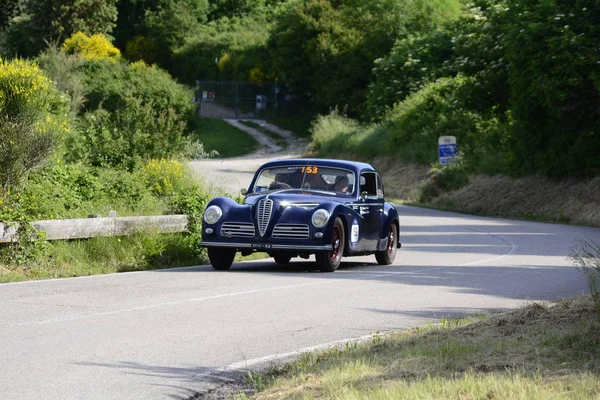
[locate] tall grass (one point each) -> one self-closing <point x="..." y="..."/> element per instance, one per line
<point x="586" y="256"/>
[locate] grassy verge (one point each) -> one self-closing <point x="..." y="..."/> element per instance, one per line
<point x="536" y="352"/>
<point x="279" y="140"/>
<point x="299" y="125"/>
<point x="218" y="135"/>
<point x="104" y="255"/>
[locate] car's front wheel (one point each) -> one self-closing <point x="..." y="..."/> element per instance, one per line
<point x="221" y="259"/>
<point x="330" y="261"/>
<point x="386" y="257"/>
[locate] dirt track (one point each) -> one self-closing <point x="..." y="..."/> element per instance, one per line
<point x="232" y="174"/>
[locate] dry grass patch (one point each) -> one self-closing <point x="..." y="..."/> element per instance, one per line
<point x="574" y="201"/>
<point x="536" y="352"/>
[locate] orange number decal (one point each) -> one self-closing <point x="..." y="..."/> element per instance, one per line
<point x="310" y="170"/>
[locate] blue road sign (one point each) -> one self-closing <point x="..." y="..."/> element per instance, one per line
<point x="447" y="150"/>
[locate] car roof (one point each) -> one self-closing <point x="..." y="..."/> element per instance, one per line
<point x="323" y="162"/>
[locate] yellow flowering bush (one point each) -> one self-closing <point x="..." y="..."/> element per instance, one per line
<point x="95" y="47"/>
<point x="33" y="114"/>
<point x="164" y="176"/>
<point x="22" y="84"/>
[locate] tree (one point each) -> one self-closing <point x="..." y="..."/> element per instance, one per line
<point x="552" y="48"/>
<point x="46" y="21"/>
<point x="8" y="9"/>
<point x="326" y="49"/>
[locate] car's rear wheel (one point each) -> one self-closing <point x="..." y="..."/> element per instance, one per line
<point x="282" y="259"/>
<point x="221" y="259"/>
<point x="330" y="261"/>
<point x="386" y="257"/>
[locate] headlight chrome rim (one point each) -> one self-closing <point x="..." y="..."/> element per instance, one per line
<point x="320" y="217"/>
<point x="212" y="214"/>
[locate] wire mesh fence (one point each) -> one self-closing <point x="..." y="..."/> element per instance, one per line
<point x="245" y="100"/>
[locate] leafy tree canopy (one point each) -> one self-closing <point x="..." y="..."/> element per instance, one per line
<point x="46" y="21"/>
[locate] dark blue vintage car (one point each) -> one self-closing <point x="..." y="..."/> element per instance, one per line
<point x="299" y="207"/>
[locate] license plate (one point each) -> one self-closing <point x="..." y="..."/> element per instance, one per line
<point x="262" y="245"/>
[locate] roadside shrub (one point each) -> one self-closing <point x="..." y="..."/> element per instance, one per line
<point x="32" y="119"/>
<point x="586" y="256"/>
<point x="135" y="133"/>
<point x="191" y="201"/>
<point x="165" y="177"/>
<point x="111" y="85"/>
<point x="443" y="179"/>
<point x="76" y="190"/>
<point x="62" y="68"/>
<point x="94" y="47"/>
<point x="331" y="132"/>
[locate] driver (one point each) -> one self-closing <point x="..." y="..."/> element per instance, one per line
<point x="341" y="184"/>
<point x="281" y="182"/>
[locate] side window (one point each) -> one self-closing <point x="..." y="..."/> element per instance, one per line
<point x="368" y="183"/>
<point x="380" y="192"/>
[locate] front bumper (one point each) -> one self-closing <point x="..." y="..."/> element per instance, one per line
<point x="260" y="246"/>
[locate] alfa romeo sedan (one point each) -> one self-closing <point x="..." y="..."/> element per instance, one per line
<point x="300" y="207"/>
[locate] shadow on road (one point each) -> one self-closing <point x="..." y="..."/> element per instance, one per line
<point x="210" y="376"/>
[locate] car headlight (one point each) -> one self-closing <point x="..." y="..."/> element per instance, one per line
<point x="212" y="214"/>
<point x="320" y="218"/>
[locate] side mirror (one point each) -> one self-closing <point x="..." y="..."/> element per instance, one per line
<point x="363" y="196"/>
<point x="243" y="192"/>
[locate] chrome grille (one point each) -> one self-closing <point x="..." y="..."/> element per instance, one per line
<point x="263" y="215"/>
<point x="237" y="229"/>
<point x="290" y="231"/>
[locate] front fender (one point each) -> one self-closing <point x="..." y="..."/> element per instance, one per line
<point x="389" y="216"/>
<point x="232" y="211"/>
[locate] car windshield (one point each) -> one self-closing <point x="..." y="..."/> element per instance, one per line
<point x="306" y="178"/>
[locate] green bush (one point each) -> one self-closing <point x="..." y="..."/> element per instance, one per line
<point x="191" y="201"/>
<point x="111" y="86"/>
<point x="443" y="179"/>
<point x="128" y="137"/>
<point x="76" y="190"/>
<point x="62" y="68"/>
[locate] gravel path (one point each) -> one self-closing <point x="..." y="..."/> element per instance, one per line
<point x="230" y="175"/>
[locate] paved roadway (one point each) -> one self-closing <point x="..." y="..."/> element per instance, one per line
<point x="166" y="334"/>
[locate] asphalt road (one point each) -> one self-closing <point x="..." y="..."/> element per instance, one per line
<point x="173" y="333"/>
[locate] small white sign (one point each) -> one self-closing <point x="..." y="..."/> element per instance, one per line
<point x="447" y="150"/>
<point x="354" y="236"/>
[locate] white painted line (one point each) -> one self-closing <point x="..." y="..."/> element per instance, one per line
<point x="173" y="303"/>
<point x="245" y="364"/>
